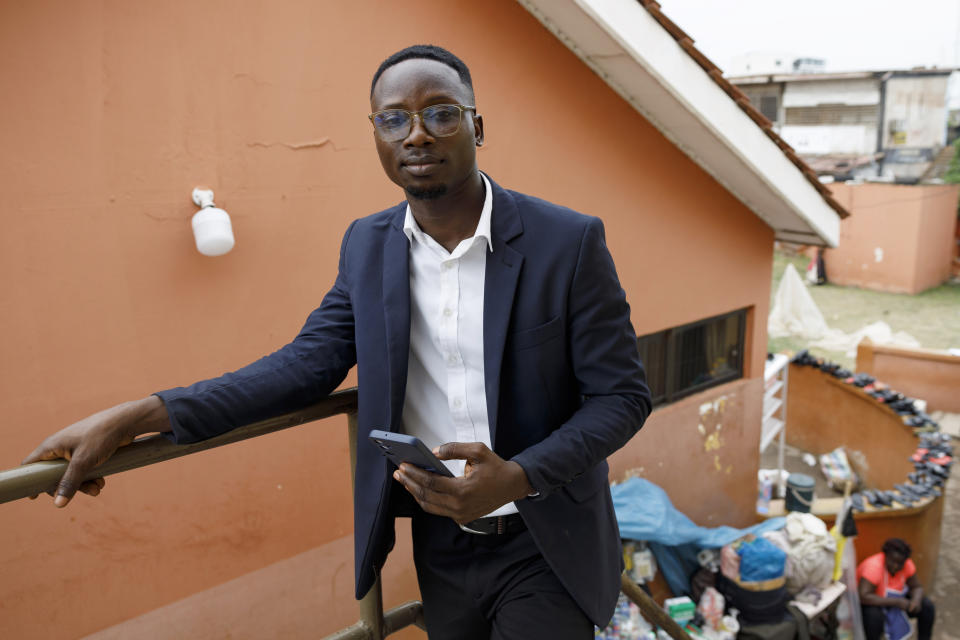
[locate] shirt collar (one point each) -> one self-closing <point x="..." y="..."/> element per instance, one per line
<point x="411" y="228"/>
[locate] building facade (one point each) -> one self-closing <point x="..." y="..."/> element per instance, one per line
<point x="887" y="125"/>
<point x="121" y="113"/>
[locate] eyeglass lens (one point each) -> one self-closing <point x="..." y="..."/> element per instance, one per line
<point x="439" y="120"/>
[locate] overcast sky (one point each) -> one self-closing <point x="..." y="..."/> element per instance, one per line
<point x="849" y="34"/>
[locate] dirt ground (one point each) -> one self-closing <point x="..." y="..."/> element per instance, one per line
<point x="945" y="591"/>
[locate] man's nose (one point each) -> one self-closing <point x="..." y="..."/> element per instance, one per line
<point x="418" y="133"/>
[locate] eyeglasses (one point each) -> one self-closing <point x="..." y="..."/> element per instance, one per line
<point x="440" y="121"/>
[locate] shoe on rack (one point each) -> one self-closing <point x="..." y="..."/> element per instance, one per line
<point x="903" y="499"/>
<point x="856" y="500"/>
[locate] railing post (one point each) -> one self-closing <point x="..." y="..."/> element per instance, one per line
<point x="371" y="605"/>
<point x="650" y="610"/>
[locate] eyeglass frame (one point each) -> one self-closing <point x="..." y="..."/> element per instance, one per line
<point x="417" y="114"/>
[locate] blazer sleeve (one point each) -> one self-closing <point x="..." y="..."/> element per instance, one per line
<point x="293" y="377"/>
<point x="606" y="365"/>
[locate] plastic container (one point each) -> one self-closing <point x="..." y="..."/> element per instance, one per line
<point x="764" y="492"/>
<point x="799" y="492"/>
<point x="681" y="609"/>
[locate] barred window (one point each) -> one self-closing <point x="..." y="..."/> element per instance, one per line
<point x="684" y="360"/>
<point x="768" y="107"/>
<point x="833" y="114"/>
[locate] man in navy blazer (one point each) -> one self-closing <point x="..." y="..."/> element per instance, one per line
<point x="561" y="379"/>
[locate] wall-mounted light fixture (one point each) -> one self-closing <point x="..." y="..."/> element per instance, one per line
<point x="211" y="226"/>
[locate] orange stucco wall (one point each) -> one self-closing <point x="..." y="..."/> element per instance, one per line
<point x="898" y="238"/>
<point x="703" y="451"/>
<point x="926" y="374"/>
<point x="116" y="110"/>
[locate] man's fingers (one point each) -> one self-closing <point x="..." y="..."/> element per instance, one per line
<point x="427" y="479"/>
<point x="427" y="488"/>
<point x="71" y="481"/>
<point x="470" y="451"/>
<point x="45" y="452"/>
<point x="93" y="487"/>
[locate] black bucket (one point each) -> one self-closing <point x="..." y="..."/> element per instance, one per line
<point x="799" y="492"/>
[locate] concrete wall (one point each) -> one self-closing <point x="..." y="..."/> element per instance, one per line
<point x="898" y="238"/>
<point x="915" y="112"/>
<point x="813" y="93"/>
<point x="820" y="139"/>
<point x="120" y="110"/>
<point x="825" y="413"/>
<point x="703" y="451"/>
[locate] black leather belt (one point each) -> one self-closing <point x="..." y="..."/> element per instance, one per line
<point x="495" y="525"/>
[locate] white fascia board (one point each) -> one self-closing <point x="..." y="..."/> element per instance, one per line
<point x="637" y="58"/>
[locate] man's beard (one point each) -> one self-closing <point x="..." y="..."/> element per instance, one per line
<point x="427" y="193"/>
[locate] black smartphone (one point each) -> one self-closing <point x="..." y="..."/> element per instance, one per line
<point x="399" y="448"/>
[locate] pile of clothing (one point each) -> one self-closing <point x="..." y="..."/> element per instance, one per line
<point x="811" y="554"/>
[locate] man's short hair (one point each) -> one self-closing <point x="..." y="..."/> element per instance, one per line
<point x="428" y="52"/>
<point x="898" y="546"/>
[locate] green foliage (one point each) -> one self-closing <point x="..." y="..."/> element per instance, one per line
<point x="952" y="176"/>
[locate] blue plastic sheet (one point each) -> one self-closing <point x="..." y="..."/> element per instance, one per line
<point x="644" y="512"/>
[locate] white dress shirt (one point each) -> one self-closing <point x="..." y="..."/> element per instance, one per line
<point x="446" y="398"/>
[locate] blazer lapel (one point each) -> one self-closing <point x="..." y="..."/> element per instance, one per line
<point x="396" y="310"/>
<point x="500" y="284"/>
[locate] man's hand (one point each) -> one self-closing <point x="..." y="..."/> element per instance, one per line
<point x="915" y="604"/>
<point x="90" y="442"/>
<point x="900" y="603"/>
<point x="488" y="482"/>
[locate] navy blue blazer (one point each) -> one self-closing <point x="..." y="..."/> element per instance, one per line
<point x="564" y="383"/>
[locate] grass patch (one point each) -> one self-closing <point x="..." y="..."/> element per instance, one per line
<point x="932" y="317"/>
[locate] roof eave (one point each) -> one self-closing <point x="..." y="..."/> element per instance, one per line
<point x="659" y="76"/>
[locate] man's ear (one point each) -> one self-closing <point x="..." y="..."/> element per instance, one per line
<point x="478" y="129"/>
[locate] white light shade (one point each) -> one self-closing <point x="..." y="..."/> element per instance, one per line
<point x="212" y="231"/>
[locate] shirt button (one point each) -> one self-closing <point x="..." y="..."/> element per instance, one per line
<point x="447" y="266"/>
<point x="447" y="312"/>
<point x="452" y="359"/>
<point x="457" y="403"/>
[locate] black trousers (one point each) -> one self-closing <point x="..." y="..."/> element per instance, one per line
<point x="873" y="620"/>
<point x="495" y="587"/>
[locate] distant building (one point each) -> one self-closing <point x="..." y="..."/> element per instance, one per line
<point x="764" y="62"/>
<point x="887" y="125"/>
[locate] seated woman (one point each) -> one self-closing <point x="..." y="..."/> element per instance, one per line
<point x="890" y="591"/>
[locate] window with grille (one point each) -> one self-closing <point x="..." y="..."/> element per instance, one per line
<point x="693" y="357"/>
<point x="833" y="114"/>
<point x="768" y="107"/>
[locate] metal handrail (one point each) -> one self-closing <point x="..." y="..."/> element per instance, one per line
<point x="39" y="477"/>
<point x="374" y="624"/>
